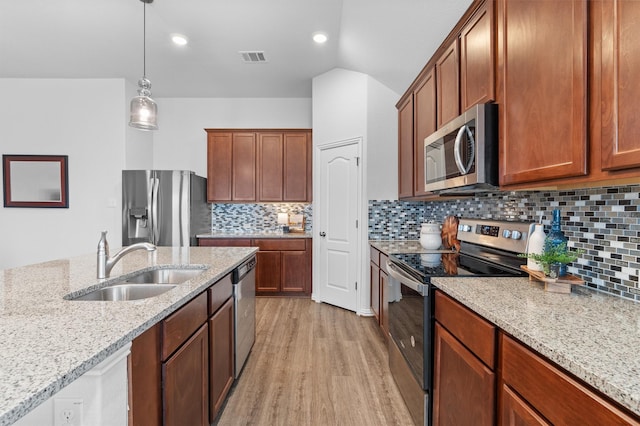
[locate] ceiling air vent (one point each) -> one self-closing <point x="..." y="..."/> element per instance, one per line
<point x="253" y="57"/>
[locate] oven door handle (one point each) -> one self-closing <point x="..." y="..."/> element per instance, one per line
<point x="406" y="279"/>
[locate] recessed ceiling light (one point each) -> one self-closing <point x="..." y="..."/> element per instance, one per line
<point x="179" y="39"/>
<point x="320" y="38"/>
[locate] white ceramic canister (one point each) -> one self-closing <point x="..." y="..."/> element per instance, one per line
<point x="535" y="244"/>
<point x="430" y="236"/>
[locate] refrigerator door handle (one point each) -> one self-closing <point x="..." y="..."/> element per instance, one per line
<point x="154" y="210"/>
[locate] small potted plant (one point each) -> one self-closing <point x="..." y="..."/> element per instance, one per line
<point x="554" y="258"/>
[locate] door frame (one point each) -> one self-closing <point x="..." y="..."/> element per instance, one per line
<point x="362" y="292"/>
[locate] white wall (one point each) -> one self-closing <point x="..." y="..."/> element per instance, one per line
<point x="181" y="142"/>
<point x="84" y="120"/>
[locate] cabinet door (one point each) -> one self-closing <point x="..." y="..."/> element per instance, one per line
<point x="220" y="357"/>
<point x="460" y="380"/>
<point x="294" y="271"/>
<point x="145" y="381"/>
<point x="516" y="412"/>
<point x="477" y="58"/>
<point x="224" y="242"/>
<point x="619" y="89"/>
<point x="425" y="124"/>
<point x="384" y="302"/>
<point x="375" y="290"/>
<point x="270" y="166"/>
<point x="542" y="89"/>
<point x="447" y="84"/>
<point x="219" y="164"/>
<point x="268" y="271"/>
<point x="185" y="378"/>
<point x="297" y="167"/>
<point x="405" y="149"/>
<point x="244" y="167"/>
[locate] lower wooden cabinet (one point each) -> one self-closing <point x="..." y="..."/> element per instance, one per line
<point x="463" y="385"/>
<point x="221" y="356"/>
<point x="516" y="412"/>
<point x="185" y="382"/>
<point x="379" y="287"/>
<point x="145" y="379"/>
<point x="283" y="265"/>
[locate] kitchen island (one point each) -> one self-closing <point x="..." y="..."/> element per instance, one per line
<point x="48" y="341"/>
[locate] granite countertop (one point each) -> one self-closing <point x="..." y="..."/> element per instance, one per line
<point x="259" y="235"/>
<point x="590" y="334"/>
<point x="48" y="342"/>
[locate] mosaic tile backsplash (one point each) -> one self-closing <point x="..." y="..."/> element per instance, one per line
<point x="605" y="222"/>
<point x="254" y="218"/>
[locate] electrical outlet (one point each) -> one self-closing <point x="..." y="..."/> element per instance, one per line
<point x="67" y="411"/>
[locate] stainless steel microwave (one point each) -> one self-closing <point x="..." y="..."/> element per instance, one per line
<point x="462" y="156"/>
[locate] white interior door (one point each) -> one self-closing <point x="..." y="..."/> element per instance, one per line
<point x="337" y="229"/>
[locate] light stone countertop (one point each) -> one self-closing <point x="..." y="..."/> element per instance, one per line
<point x="48" y="342"/>
<point x="398" y="246"/>
<point x="258" y="235"/>
<point x="591" y="334"/>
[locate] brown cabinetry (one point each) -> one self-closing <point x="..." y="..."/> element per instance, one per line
<point x="542" y="74"/>
<point x="545" y="389"/>
<point x="424" y="125"/>
<point x="283" y="266"/>
<point x="185" y="365"/>
<point x="145" y="379"/>
<point x="405" y="148"/>
<point x="477" y="58"/>
<point x="258" y="166"/>
<point x="464" y="359"/>
<point x="379" y="281"/>
<point x="448" y="84"/>
<point x="221" y="343"/>
<point x="616" y="36"/>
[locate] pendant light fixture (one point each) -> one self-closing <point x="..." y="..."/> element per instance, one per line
<point x="144" y="111"/>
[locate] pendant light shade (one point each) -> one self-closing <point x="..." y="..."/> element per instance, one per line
<point x="144" y="111"/>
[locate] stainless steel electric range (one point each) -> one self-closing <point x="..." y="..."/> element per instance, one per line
<point x="488" y="249"/>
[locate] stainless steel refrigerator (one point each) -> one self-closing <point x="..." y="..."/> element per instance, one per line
<point x="164" y="207"/>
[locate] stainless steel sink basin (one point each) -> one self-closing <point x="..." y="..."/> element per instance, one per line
<point x="126" y="292"/>
<point x="164" y="276"/>
<point x="141" y="285"/>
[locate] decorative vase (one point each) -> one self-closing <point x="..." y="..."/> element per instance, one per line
<point x="430" y="237"/>
<point x="535" y="244"/>
<point x="557" y="270"/>
<point x="556" y="236"/>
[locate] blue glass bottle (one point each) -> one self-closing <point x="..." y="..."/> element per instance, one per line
<point x="556" y="237"/>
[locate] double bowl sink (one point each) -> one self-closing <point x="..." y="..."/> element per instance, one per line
<point x="140" y="285"/>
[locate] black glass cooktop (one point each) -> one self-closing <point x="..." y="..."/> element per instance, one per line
<point x="425" y="265"/>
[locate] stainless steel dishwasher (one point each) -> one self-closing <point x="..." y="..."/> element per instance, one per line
<point x="244" y="298"/>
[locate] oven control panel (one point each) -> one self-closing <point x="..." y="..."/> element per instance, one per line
<point x="505" y="235"/>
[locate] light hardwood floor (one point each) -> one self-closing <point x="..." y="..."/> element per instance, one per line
<point x="315" y="364"/>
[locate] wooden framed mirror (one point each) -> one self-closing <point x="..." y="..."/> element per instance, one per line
<point x="35" y="181"/>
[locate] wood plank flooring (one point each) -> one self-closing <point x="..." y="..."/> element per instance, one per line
<point x="314" y="364"/>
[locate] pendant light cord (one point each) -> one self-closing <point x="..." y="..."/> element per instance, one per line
<point x="144" y="40"/>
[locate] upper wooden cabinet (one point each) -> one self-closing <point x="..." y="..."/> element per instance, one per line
<point x="259" y="166"/>
<point x="448" y="84"/>
<point x="405" y="148"/>
<point x="424" y="107"/>
<point x="616" y="36"/>
<point x="477" y="58"/>
<point x="542" y="75"/>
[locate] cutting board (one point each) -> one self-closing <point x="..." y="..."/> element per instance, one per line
<point x="449" y="233"/>
<point x="554" y="285"/>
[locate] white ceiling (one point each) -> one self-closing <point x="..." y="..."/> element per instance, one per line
<point x="390" y="40"/>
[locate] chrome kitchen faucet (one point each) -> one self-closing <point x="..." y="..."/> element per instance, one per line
<point x="106" y="263"/>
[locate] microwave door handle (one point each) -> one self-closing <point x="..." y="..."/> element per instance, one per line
<point x="457" y="147"/>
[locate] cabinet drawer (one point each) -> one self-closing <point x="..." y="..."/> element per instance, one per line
<point x="224" y="242"/>
<point x="218" y="293"/>
<point x="559" y="397"/>
<point x="473" y="331"/>
<point x="375" y="256"/>
<point x="297" y="244"/>
<point x="177" y="328"/>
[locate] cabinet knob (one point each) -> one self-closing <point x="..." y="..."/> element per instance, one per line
<point x="323" y="234"/>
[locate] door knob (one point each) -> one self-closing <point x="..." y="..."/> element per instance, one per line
<point x="323" y="234"/>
